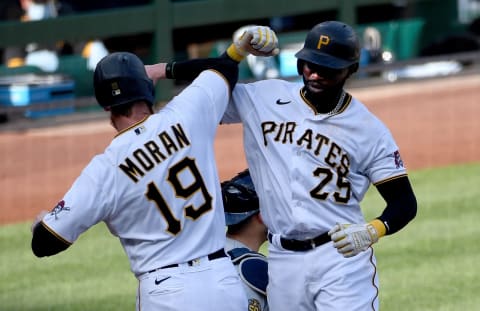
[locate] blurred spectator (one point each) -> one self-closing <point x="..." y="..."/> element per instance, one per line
<point x="371" y="51"/>
<point x="11" y="10"/>
<point x="46" y="57"/>
<point x="137" y="44"/>
<point x="42" y="56"/>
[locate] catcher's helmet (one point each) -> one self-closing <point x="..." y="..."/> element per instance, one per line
<point x="120" y="78"/>
<point x="330" y="44"/>
<point x="240" y="201"/>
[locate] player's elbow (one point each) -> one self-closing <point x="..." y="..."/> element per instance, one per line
<point x="44" y="249"/>
<point x="46" y="244"/>
<point x="37" y="250"/>
<point x="38" y="247"/>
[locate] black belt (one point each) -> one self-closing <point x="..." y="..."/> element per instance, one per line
<point x="302" y="245"/>
<point x="215" y="255"/>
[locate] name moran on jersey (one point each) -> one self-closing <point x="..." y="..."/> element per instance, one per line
<point x="154" y="152"/>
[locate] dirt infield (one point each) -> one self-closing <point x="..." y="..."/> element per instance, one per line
<point x="434" y="122"/>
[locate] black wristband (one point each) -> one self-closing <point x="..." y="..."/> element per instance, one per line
<point x="169" y="70"/>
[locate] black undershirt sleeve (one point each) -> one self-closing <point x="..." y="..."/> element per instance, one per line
<point x="44" y="243"/>
<point x="401" y="203"/>
<point x="188" y="70"/>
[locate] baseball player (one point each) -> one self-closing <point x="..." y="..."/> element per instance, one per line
<point x="246" y="232"/>
<point x="313" y="150"/>
<point x="156" y="187"/>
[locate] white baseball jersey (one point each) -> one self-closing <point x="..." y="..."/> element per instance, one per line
<point x="156" y="185"/>
<point x="310" y="170"/>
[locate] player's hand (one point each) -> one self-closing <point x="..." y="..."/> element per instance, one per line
<point x="351" y="239"/>
<point x="255" y="40"/>
<point x="258" y="41"/>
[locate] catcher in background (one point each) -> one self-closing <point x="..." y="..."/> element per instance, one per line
<point x="246" y="232"/>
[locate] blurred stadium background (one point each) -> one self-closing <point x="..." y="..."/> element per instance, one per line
<point x="50" y="47"/>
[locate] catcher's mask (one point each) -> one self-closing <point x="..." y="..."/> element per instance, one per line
<point x="120" y="78"/>
<point x="240" y="201"/>
<point x="330" y="44"/>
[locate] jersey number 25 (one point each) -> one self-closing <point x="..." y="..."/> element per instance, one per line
<point x="326" y="176"/>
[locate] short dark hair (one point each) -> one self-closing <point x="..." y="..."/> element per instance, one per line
<point x="122" y="110"/>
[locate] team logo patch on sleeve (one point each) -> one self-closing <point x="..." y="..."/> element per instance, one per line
<point x="398" y="159"/>
<point x="60" y="207"/>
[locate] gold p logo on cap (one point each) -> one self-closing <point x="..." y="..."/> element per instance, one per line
<point x="323" y="40"/>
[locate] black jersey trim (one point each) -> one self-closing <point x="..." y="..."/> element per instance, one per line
<point x="56" y="235"/>
<point x="389" y="179"/>
<point x="132" y="126"/>
<point x="345" y="103"/>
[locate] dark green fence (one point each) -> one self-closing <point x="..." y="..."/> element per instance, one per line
<point x="162" y="17"/>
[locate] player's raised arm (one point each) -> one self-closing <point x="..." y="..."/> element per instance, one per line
<point x="256" y="40"/>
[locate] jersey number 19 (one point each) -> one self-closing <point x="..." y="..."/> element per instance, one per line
<point x="185" y="192"/>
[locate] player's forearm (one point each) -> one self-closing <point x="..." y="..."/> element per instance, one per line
<point x="189" y="69"/>
<point x="255" y="40"/>
<point x="156" y="72"/>
<point x="401" y="204"/>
